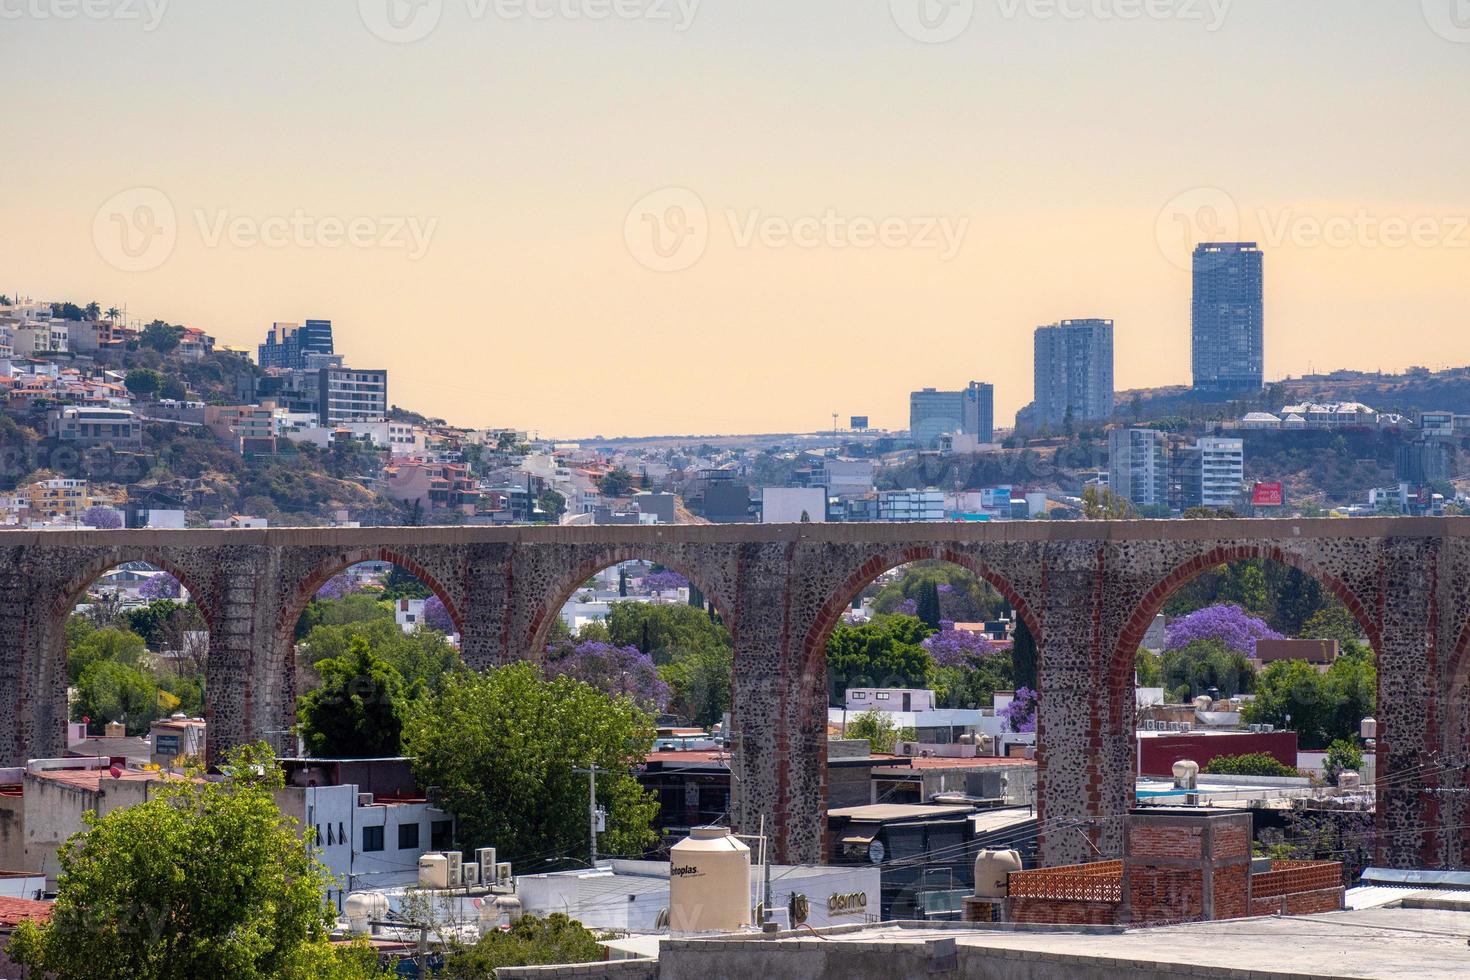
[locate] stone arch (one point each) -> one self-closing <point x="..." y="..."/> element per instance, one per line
<point x="568" y="583"/>
<point x="1120" y="666"/>
<point x="811" y="711"/>
<point x="44" y="672"/>
<point x="324" y="571"/>
<point x="279" y="673"/>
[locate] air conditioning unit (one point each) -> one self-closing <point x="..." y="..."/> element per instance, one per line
<point x="1186" y="726"/>
<point x="502" y="872"/>
<point x="470" y="873"/>
<point x="1268" y="728"/>
<point x="456" y="867"/>
<point x="486" y="857"/>
<point x="1149" y="725"/>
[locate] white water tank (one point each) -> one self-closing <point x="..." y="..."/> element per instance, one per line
<point x="1202" y="703"/>
<point x="709" y="882"/>
<point x="361" y="908"/>
<point x="1349" y="781"/>
<point x="1186" y="774"/>
<point x="434" y="871"/>
<point x="991" y="871"/>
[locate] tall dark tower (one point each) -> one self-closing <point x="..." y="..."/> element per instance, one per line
<point x="1228" y="319"/>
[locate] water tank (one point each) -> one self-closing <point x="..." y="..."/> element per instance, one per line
<point x="360" y="908"/>
<point x="1186" y="774"/>
<point x="1202" y="703"/>
<point x="434" y="871"/>
<point x="967" y="739"/>
<point x="985" y="744"/>
<point x="500" y="913"/>
<point x="1368" y="728"/>
<point x="991" y="869"/>
<point x="1349" y="781"/>
<point x="709" y="882"/>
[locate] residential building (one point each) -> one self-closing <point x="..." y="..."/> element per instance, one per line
<point x="33" y="337"/>
<point x="59" y="498"/>
<point x="793" y="505"/>
<point x="1073" y="373"/>
<point x="1425" y="460"/>
<point x="250" y="428"/>
<point x="1222" y="471"/>
<point x="89" y="426"/>
<point x="1138" y="467"/>
<point x="1227" y="317"/>
<point x="911" y="505"/>
<point x="352" y="395"/>
<point x="287" y="344"/>
<point x="970" y="411"/>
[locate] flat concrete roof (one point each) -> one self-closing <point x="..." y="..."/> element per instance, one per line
<point x="899" y="811"/>
<point x="1380" y="942"/>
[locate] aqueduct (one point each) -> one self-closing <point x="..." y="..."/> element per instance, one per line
<point x="1087" y="589"/>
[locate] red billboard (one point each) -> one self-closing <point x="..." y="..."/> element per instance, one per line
<point x="1268" y="495"/>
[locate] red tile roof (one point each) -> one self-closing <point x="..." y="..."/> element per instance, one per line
<point x="14" y="911"/>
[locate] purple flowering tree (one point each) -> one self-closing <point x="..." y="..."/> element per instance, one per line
<point x="160" y="586"/>
<point x="102" y="518"/>
<point x="1020" y="714"/>
<point x="337" y="587"/>
<point x="614" y="670"/>
<point x="436" y="616"/>
<point x="664" y="581"/>
<point x="957" y="648"/>
<point x="907" y="607"/>
<point x="1231" y="625"/>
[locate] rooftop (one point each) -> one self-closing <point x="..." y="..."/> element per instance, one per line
<point x="1404" y="943"/>
<point x="14" y="911"/>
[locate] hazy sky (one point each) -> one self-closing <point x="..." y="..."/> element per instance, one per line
<point x="698" y="216"/>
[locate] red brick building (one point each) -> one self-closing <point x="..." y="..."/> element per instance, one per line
<point x="1179" y="865"/>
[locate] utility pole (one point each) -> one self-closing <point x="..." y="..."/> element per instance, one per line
<point x="592" y="813"/>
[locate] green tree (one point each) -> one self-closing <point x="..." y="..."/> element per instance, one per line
<point x="108" y="644"/>
<point x="886" y="652"/>
<point x="616" y="483"/>
<point x="144" y="381"/>
<point x="1333" y="623"/>
<point x="1291" y="688"/>
<point x="202" y="879"/>
<point x="403" y="584"/>
<point x="112" y="691"/>
<point x="700" y="684"/>
<point x="664" y="630"/>
<point x="502" y="747"/>
<point x="973" y="687"/>
<point x="1147" y="669"/>
<point x="1101" y="504"/>
<point x="1191" y="671"/>
<point x="927" y="606"/>
<point x="359" y="710"/>
<point x="531" y="941"/>
<point x="161" y="336"/>
<point x="881" y="731"/>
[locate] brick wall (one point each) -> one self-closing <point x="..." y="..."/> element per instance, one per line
<point x="1158" y="753"/>
<point x="1051" y="911"/>
<point x="1299" y="903"/>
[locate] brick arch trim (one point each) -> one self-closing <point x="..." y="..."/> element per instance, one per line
<point x="562" y="593"/>
<point x="325" y="571"/>
<point x="1137" y="625"/>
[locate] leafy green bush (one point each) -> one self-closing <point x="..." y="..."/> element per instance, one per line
<point x="1252" y="764"/>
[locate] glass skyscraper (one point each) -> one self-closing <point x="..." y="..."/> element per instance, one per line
<point x="1073" y="372"/>
<point x="1228" y="318"/>
<point x="287" y="344"/>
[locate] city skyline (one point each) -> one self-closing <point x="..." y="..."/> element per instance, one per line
<point x="501" y="249"/>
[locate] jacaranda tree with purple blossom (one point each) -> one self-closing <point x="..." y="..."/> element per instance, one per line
<point x="957" y="648"/>
<point x="613" y="670"/>
<point x="664" y="581"/>
<point x="337" y="587"/>
<point x="160" y="586"/>
<point x="1229" y="625"/>
<point x="1020" y="714"/>
<point x="436" y="615"/>
<point x="102" y="518"/>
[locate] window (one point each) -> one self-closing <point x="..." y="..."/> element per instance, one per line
<point x="319" y="835"/>
<point x="408" y="836"/>
<point x="330" y="840"/>
<point x="372" y="838"/>
<point x="882" y="696"/>
<point x="441" y="835"/>
<point x="860" y="696"/>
